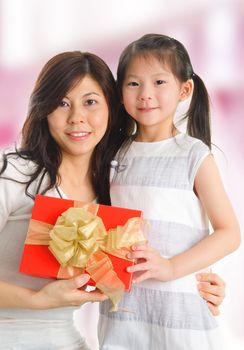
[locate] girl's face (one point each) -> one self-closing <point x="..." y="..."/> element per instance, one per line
<point x="80" y="121"/>
<point x="151" y="94"/>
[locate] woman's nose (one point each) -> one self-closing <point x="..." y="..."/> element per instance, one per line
<point x="77" y="116"/>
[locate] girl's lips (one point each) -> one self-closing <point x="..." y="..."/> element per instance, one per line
<point x="147" y="109"/>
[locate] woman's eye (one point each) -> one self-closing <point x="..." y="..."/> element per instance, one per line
<point x="90" y="102"/>
<point x="160" y="82"/>
<point x="133" y="83"/>
<point x="63" y="104"/>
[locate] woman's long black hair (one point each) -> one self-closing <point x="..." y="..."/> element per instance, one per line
<point x="57" y="77"/>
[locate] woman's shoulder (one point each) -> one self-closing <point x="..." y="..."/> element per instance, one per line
<point x="14" y="165"/>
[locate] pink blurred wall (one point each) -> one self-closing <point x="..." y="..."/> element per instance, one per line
<point x="213" y="34"/>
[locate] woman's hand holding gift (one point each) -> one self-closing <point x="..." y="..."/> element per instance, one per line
<point x="66" y="293"/>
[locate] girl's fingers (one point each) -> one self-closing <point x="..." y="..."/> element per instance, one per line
<point x="142" y="277"/>
<point x="142" y="254"/>
<point x="136" y="247"/>
<point x="138" y="267"/>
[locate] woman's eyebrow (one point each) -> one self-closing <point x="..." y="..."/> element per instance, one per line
<point x="91" y="93"/>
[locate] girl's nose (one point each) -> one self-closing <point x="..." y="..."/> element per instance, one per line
<point x="144" y="94"/>
<point x="144" y="98"/>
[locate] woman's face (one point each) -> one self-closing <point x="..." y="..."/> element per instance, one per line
<point x="80" y="121"/>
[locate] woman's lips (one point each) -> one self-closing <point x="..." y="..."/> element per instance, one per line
<point x="78" y="135"/>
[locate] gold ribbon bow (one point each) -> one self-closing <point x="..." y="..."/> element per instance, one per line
<point x="79" y="239"/>
<point x="76" y="235"/>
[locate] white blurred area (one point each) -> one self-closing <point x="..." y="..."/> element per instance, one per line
<point x="31" y="32"/>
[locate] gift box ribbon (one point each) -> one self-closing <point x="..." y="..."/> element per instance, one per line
<point x="79" y="241"/>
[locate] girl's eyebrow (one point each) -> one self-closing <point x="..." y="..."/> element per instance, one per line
<point x="132" y="76"/>
<point x="153" y="75"/>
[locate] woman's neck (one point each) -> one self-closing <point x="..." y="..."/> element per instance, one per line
<point x="75" y="175"/>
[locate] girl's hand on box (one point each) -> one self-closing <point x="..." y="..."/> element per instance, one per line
<point x="150" y="264"/>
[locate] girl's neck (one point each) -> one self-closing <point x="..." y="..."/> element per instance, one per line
<point x="155" y="135"/>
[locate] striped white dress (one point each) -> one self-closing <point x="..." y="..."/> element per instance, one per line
<point x="158" y="178"/>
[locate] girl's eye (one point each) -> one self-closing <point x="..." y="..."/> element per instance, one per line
<point x="133" y="83"/>
<point x="160" y="82"/>
<point x="64" y="104"/>
<point x="90" y="102"/>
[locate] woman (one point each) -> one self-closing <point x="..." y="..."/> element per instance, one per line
<point x="72" y="116"/>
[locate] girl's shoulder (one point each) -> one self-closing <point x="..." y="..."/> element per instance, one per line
<point x="193" y="146"/>
<point x="191" y="142"/>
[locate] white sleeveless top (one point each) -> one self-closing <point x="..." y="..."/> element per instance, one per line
<point x="158" y="178"/>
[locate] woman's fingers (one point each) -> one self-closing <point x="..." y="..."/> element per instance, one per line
<point x="212" y="289"/>
<point x="214" y="309"/>
<point x="212" y="278"/>
<point x="78" y="281"/>
<point x="67" y="292"/>
<point x="213" y="299"/>
<point x="213" y="284"/>
<point x="95" y="295"/>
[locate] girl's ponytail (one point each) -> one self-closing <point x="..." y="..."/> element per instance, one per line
<point x="198" y="115"/>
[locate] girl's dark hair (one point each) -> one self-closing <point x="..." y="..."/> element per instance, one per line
<point x="174" y="54"/>
<point x="57" y="77"/>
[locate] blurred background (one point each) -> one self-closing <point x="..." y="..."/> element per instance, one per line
<point x="31" y="32"/>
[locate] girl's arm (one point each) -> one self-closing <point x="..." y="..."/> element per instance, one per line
<point x="226" y="232"/>
<point x="224" y="239"/>
<point x="55" y="294"/>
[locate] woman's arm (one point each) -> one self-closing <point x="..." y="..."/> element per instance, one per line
<point x="55" y="294"/>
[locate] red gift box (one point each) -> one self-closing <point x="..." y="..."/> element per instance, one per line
<point x="37" y="260"/>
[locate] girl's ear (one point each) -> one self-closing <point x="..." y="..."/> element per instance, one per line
<point x="186" y="89"/>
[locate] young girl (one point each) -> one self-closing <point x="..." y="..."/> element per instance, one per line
<point x="71" y="119"/>
<point x="173" y="179"/>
